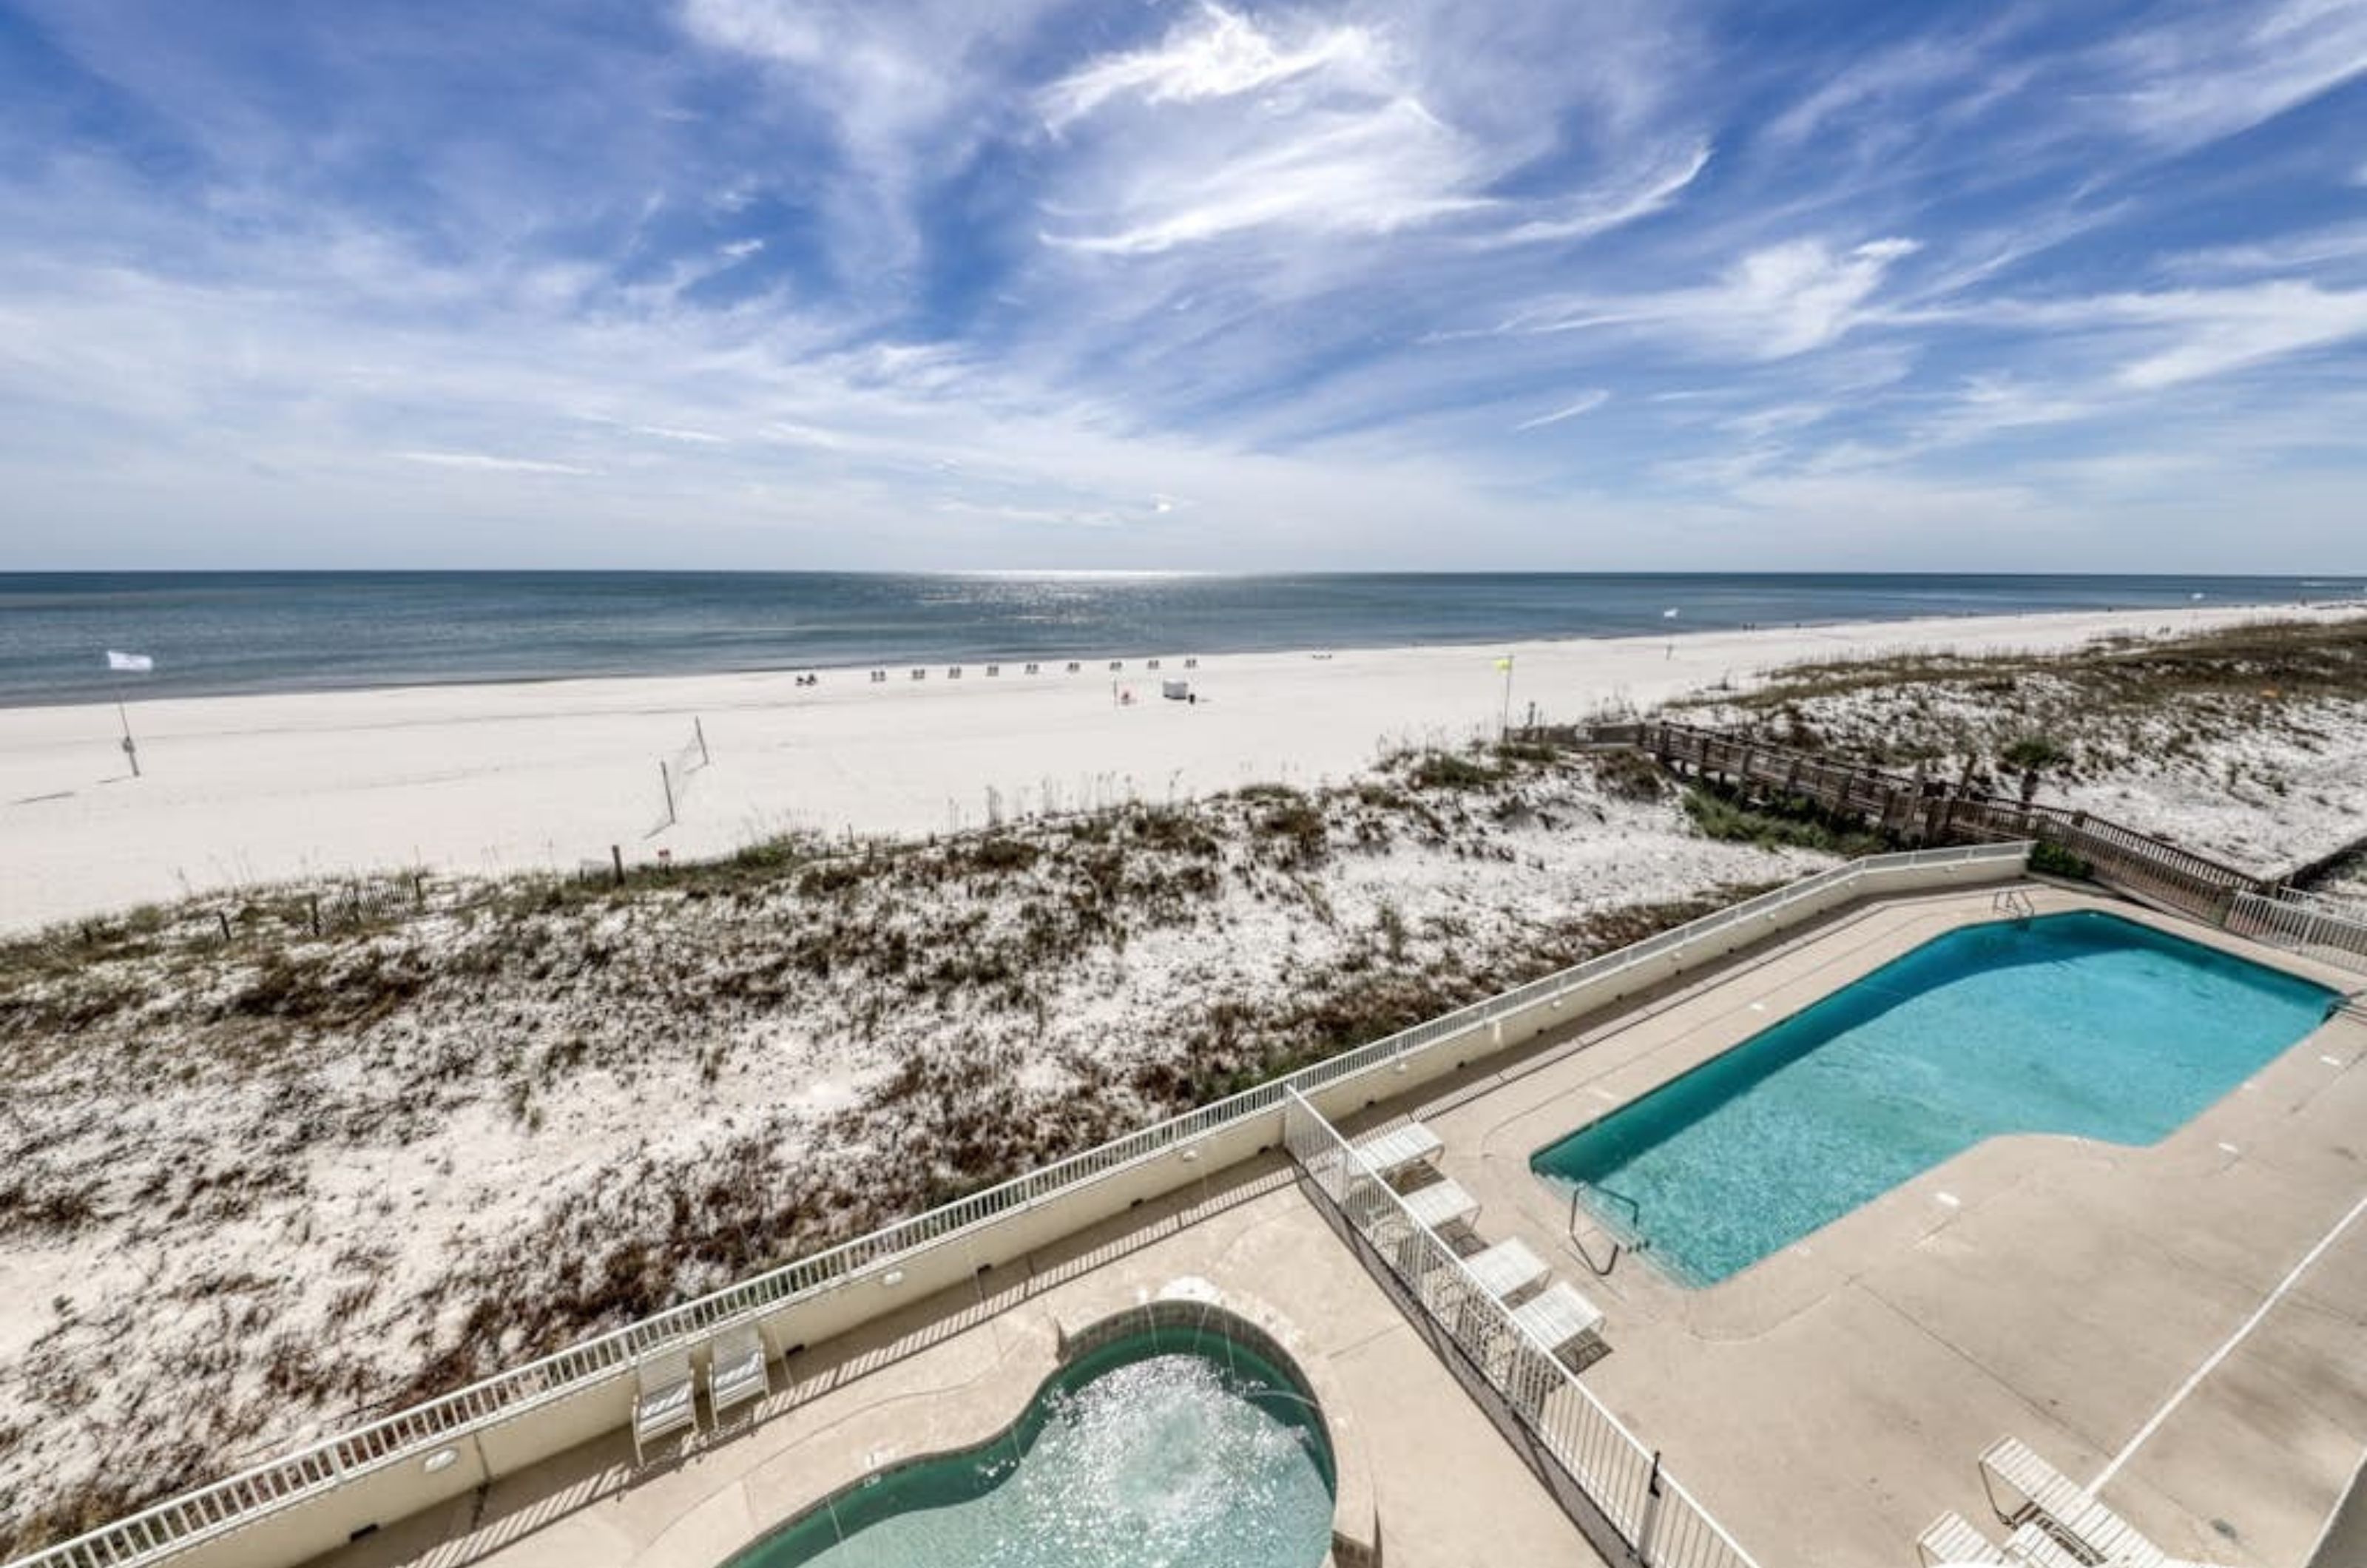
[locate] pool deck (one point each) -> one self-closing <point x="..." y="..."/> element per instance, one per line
<point x="1824" y="1403"/>
<point x="1830" y="1401"/>
<point x="954" y="1369"/>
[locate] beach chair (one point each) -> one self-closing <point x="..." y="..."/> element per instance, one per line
<point x="1399" y="1149"/>
<point x="2032" y="1547"/>
<point x="1951" y="1539"/>
<point x="1441" y="1203"/>
<point x="736" y="1371"/>
<point x="1558" y="1317"/>
<point x="2037" y="1491"/>
<point x="1507" y="1268"/>
<point x="665" y="1400"/>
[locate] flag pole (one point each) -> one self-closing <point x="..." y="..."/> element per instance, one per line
<point x="130" y="748"/>
<point x="1504" y="728"/>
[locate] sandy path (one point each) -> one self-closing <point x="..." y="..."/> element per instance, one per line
<point x="498" y="777"/>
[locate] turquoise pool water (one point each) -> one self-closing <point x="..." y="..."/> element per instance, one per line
<point x="2080" y="1023"/>
<point x="1173" y="1447"/>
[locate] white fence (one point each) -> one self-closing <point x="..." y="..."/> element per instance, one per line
<point x="592" y="1379"/>
<point x="2298" y="920"/>
<point x="1657" y="1521"/>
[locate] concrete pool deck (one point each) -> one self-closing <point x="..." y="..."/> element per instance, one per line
<point x="954" y="1369"/>
<point x="1823" y="1404"/>
<point x="1827" y="1402"/>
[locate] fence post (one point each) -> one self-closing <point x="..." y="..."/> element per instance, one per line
<point x="700" y="731"/>
<point x="666" y="779"/>
<point x="1651" y="1524"/>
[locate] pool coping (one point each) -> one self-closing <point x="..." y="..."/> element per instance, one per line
<point x="1185" y="1301"/>
<point x="2167" y="924"/>
<point x="1794" y="1301"/>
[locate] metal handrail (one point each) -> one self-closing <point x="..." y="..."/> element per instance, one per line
<point x="173" y="1525"/>
<point x="1593" y="1447"/>
<point x="1602" y="1270"/>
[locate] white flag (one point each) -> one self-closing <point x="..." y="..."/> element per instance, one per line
<point x="140" y="662"/>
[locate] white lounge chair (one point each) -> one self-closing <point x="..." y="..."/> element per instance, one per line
<point x="1558" y="1317"/>
<point x="2044" y="1490"/>
<point x="736" y="1371"/>
<point x="1441" y="1203"/>
<point x="2031" y="1547"/>
<point x="1399" y="1149"/>
<point x="1951" y="1539"/>
<point x="664" y="1401"/>
<point x="1506" y="1268"/>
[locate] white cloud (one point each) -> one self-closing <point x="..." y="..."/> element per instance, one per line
<point x="1598" y="214"/>
<point x="486" y="462"/>
<point x="2215" y="332"/>
<point x="2285" y="254"/>
<point x="1223" y="56"/>
<point x="2219" y="68"/>
<point x="1776" y="302"/>
<point x="1586" y="403"/>
<point x="669" y="433"/>
<point x="1232" y="124"/>
<point x="1358" y="171"/>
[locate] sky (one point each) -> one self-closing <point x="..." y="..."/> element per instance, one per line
<point x="1163" y="284"/>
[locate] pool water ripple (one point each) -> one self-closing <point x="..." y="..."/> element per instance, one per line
<point x="2080" y="1023"/>
<point x="1158" y="1453"/>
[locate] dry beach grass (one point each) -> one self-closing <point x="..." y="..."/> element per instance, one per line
<point x="281" y="1157"/>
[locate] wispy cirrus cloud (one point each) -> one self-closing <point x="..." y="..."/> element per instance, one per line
<point x="1587" y="402"/>
<point x="1771" y="303"/>
<point x="1222" y="54"/>
<point x="492" y="463"/>
<point x="785" y="281"/>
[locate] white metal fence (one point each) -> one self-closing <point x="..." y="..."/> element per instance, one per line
<point x="2298" y="920"/>
<point x="1657" y="1520"/>
<point x="182" y="1522"/>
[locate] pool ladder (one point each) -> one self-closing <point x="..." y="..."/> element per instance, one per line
<point x="2013" y="901"/>
<point x="1578" y="1243"/>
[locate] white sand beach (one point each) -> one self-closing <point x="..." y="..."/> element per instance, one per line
<point x="483" y="779"/>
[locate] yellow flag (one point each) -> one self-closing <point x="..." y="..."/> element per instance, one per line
<point x="1505" y="663"/>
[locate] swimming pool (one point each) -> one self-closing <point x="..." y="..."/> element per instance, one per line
<point x="1166" y="1447"/>
<point x="2081" y="1023"/>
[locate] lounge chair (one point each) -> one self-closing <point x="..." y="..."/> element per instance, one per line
<point x="1506" y="1268"/>
<point x="1441" y="1203"/>
<point x="1399" y="1149"/>
<point x="664" y="1401"/>
<point x="736" y="1371"/>
<point x="1951" y="1539"/>
<point x="2031" y="1547"/>
<point x="2044" y="1492"/>
<point x="1558" y="1317"/>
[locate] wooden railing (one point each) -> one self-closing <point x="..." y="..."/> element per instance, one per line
<point x="1933" y="810"/>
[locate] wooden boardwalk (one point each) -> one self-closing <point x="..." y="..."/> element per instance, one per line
<point x="1922" y="809"/>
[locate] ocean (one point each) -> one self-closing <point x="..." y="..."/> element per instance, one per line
<point x="213" y="633"/>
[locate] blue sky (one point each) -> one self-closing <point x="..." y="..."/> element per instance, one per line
<point x="1009" y="282"/>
